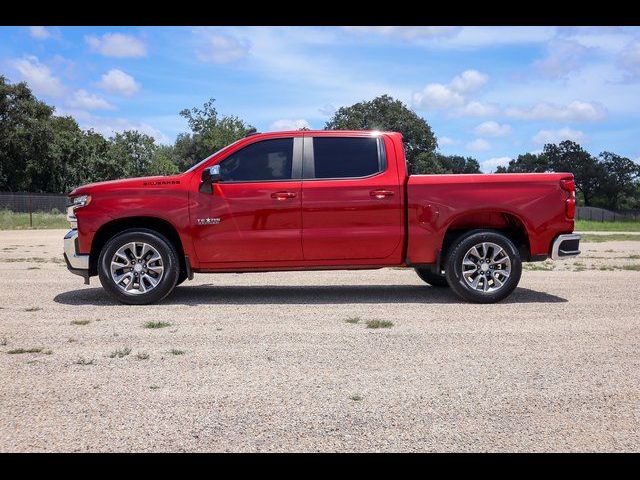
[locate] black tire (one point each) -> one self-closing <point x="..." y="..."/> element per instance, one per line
<point x="181" y="277"/>
<point x="165" y="249"/>
<point x="458" y="251"/>
<point x="432" y="278"/>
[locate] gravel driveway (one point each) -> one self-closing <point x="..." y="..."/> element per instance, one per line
<point x="269" y="362"/>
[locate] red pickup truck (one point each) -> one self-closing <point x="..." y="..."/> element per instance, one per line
<point x="313" y="200"/>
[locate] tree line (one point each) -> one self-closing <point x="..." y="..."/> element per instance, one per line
<point x="43" y="152"/>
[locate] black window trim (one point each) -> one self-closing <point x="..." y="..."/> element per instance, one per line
<point x="296" y="162"/>
<point x="308" y="161"/>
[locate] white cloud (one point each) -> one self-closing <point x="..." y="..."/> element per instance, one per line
<point x="40" y="33"/>
<point x="477" y="109"/>
<point x="478" y="145"/>
<point x="38" y="76"/>
<point x="406" y="33"/>
<point x="223" y="49"/>
<point x="117" y="45"/>
<point x="88" y="101"/>
<point x="575" y="111"/>
<point x="495" y="162"/>
<point x="108" y="126"/>
<point x="440" y="96"/>
<point x="468" y="81"/>
<point x="444" y="141"/>
<point x="629" y="58"/>
<point x="463" y="38"/>
<point x="116" y="81"/>
<point x="563" y="57"/>
<point x="492" y="129"/>
<point x="555" y="136"/>
<point x="281" y="125"/>
<point x="437" y="96"/>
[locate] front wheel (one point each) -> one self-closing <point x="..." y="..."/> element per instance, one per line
<point x="483" y="267"/>
<point x="138" y="267"/>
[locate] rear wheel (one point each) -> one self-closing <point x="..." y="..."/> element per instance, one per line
<point x="432" y="278"/>
<point x="138" y="267"/>
<point x="483" y="267"/>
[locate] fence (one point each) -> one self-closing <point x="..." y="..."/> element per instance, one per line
<point x="25" y="202"/>
<point x="603" y="215"/>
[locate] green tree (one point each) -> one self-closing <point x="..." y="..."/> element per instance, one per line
<point x="570" y="157"/>
<point x="438" y="163"/>
<point x="386" y="113"/>
<point x="526" y="163"/>
<point x="620" y="184"/>
<point x="134" y="150"/>
<point x="26" y="134"/>
<point x="209" y="133"/>
<point x="162" y="162"/>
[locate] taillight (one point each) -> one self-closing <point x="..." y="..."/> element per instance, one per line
<point x="569" y="185"/>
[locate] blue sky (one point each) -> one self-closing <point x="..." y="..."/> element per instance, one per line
<point x="487" y="92"/>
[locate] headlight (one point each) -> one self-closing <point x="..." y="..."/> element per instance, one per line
<point x="76" y="202"/>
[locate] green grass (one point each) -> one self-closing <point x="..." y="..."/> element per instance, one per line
<point x="121" y="352"/>
<point x="593" y="226"/>
<point x="355" y="397"/>
<point x="80" y="322"/>
<point x="379" y="324"/>
<point x="20" y="221"/>
<point x="157" y="324"/>
<point x="19" y="351"/>
<point x="633" y="266"/>
<point x="85" y="361"/>
<point x="613" y="237"/>
<point x="544" y="266"/>
<point x="174" y="351"/>
<point x="142" y="356"/>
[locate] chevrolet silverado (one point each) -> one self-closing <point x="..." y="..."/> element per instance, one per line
<point x="311" y="200"/>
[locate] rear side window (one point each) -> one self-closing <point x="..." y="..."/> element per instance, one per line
<point x="260" y="161"/>
<point x="343" y="157"/>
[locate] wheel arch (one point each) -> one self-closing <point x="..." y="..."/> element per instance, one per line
<point x="109" y="229"/>
<point x="508" y="223"/>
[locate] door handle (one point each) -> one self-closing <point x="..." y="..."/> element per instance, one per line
<point x="381" y="194"/>
<point x="283" y="195"/>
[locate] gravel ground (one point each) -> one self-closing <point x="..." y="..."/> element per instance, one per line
<point x="268" y="362"/>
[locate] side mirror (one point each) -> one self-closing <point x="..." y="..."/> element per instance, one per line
<point x="211" y="174"/>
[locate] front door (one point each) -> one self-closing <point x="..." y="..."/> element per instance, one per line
<point x="254" y="212"/>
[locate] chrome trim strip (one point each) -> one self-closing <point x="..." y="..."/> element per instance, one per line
<point x="555" y="250"/>
<point x="79" y="262"/>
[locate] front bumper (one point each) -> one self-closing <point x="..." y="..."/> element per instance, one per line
<point x="76" y="263"/>
<point x="566" y="246"/>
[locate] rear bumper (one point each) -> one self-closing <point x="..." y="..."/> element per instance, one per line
<point x="76" y="263"/>
<point x="565" y="246"/>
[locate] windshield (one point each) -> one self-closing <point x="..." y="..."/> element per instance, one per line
<point x="210" y="156"/>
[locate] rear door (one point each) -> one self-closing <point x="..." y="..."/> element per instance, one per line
<point x="351" y="198"/>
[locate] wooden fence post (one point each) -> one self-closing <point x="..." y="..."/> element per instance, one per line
<point x="30" y="213"/>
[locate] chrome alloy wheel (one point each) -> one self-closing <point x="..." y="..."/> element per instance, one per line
<point x="486" y="267"/>
<point x="136" y="268"/>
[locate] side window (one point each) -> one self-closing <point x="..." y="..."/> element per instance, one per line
<point x="342" y="157"/>
<point x="260" y="161"/>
